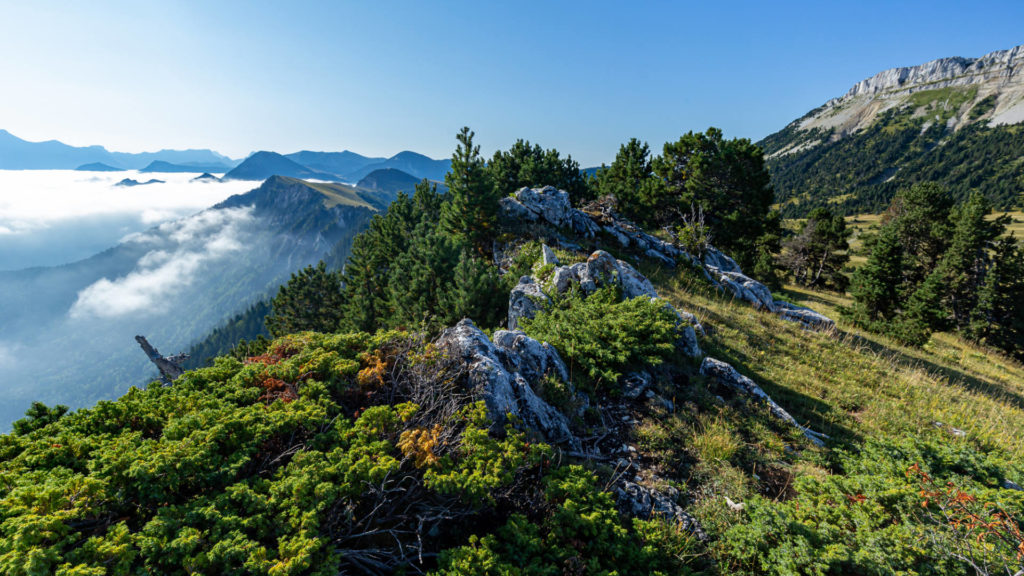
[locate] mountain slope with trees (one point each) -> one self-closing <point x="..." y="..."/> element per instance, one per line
<point x="956" y="122"/>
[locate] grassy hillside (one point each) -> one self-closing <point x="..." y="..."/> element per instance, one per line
<point x="861" y="384"/>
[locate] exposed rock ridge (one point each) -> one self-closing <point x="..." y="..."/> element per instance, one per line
<point x="727" y="376"/>
<point x="1001" y="66"/>
<point x="504" y="373"/>
<point x="997" y="76"/>
<point x="551" y="206"/>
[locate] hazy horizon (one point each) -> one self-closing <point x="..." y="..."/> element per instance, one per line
<point x="236" y="77"/>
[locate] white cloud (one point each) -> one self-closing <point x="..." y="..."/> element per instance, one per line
<point x="161" y="274"/>
<point x="30" y="199"/>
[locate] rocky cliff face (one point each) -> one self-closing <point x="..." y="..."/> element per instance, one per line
<point x="953" y="121"/>
<point x="958" y="85"/>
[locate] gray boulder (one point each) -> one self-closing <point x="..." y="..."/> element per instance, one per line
<point x="809" y="318"/>
<point x="529" y="357"/>
<point x="514" y="211"/>
<point x="746" y="288"/>
<point x="525" y="300"/>
<point x="548" y="255"/>
<point x="507" y="393"/>
<point x="640" y="501"/>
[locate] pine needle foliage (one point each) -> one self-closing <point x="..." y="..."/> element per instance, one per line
<point x="603" y="336"/>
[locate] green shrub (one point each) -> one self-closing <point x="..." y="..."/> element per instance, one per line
<point x="603" y="336"/>
<point x="580" y="533"/>
<point x="868" y="520"/>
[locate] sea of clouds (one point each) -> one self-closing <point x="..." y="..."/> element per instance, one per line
<point x="52" y="217"/>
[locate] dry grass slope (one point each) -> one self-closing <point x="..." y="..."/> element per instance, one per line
<point x="858" y="384"/>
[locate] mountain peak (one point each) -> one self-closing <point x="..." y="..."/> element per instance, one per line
<point x="943" y="72"/>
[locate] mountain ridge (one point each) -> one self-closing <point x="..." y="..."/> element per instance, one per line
<point x="954" y="121"/>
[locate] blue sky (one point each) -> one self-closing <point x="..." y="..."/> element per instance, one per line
<point x="381" y="77"/>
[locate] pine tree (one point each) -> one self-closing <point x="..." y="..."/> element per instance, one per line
<point x="875" y="286"/>
<point x="476" y="292"/>
<point x="921" y="216"/>
<point x="526" y="165"/>
<point x="419" y="278"/>
<point x="817" y="253"/>
<point x="369" y="265"/>
<point x="470" y="212"/>
<point x="923" y="313"/>
<point x="728" y="180"/>
<point x="631" y="180"/>
<point x="311" y="300"/>
<point x="965" y="263"/>
<point x="998" y="316"/>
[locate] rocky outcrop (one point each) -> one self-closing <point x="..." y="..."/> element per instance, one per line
<point x="728" y="377"/>
<point x="600" y="269"/>
<point x="552" y="207"/>
<point x="638" y="500"/>
<point x="504" y="377"/>
<point x="809" y="318"/>
<point x="997" y="76"/>
<point x="549" y="205"/>
<point x="999" y="66"/>
<point x="525" y="300"/>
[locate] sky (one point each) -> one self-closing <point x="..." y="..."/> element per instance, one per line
<point x="381" y="77"/>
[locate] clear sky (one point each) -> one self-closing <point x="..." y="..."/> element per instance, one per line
<point x="385" y="76"/>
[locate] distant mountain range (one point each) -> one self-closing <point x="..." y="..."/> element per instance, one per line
<point x="263" y="165"/>
<point x="389" y="179"/>
<point x="66" y="332"/>
<point x="345" y="166"/>
<point x="956" y="121"/>
<point x="18" y="154"/>
<point x="336" y="166"/>
<point x="161" y="166"/>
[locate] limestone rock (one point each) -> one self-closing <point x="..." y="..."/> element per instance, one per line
<point x="548" y="255"/>
<point x="531" y="358"/>
<point x="716" y="259"/>
<point x="809" y="318"/>
<point x="525" y="300"/>
<point x="635" y="384"/>
<point x="549" y="205"/>
<point x="727" y="376"/>
<point x="746" y="288"/>
<point x="641" y="502"/>
<point x="508" y="393"/>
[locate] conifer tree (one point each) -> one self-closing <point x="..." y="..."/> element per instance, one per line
<point x="470" y="212"/>
<point x="311" y="300"/>
<point x="419" y="278"/>
<point x="366" y="273"/>
<point x="998" y="317"/>
<point x="817" y="253"/>
<point x="875" y="286"/>
<point x="728" y="180"/>
<point x="631" y="180"/>
<point x="923" y="313"/>
<point x="526" y="165"/>
<point x="476" y="292"/>
<point x="921" y="216"/>
<point x="965" y="263"/>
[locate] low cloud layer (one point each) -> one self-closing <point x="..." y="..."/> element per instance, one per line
<point x="180" y="250"/>
<point x="50" y="217"/>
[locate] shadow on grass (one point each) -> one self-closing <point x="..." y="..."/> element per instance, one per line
<point x="954" y="376"/>
<point x="814" y="413"/>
